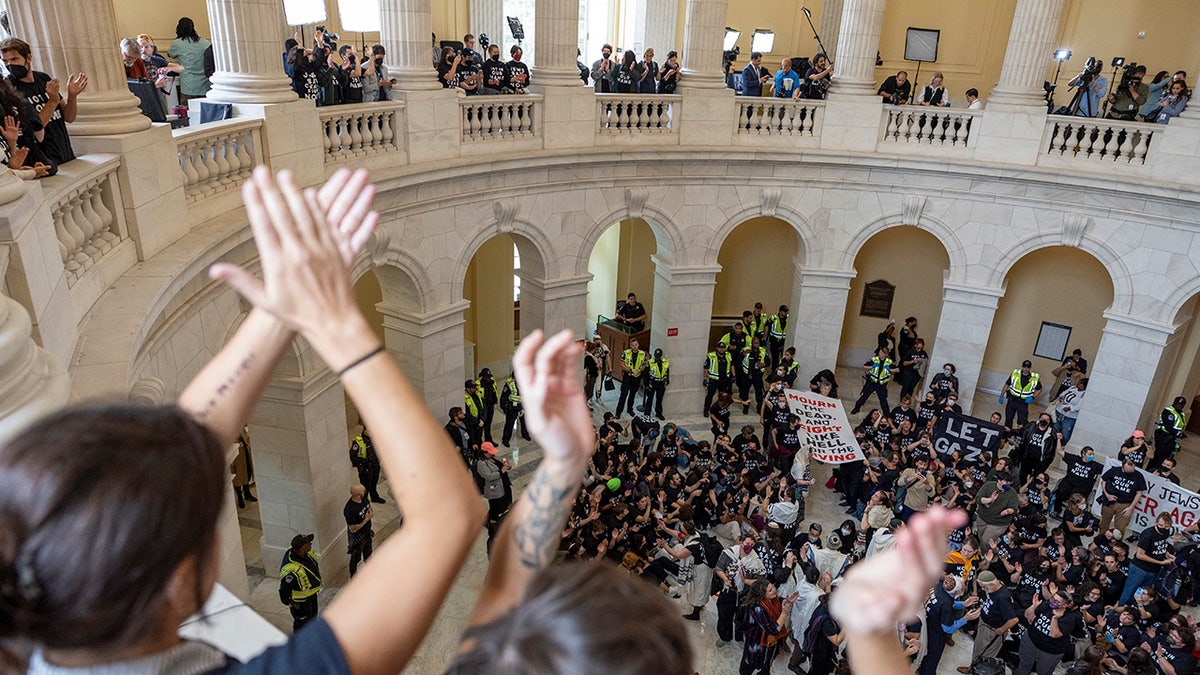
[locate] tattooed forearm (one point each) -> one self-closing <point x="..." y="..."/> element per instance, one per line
<point x="539" y="530"/>
<point x="223" y="390"/>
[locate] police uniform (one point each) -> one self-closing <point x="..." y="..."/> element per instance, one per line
<point x="777" y="328"/>
<point x="510" y="400"/>
<point x="734" y="345"/>
<point x="473" y="404"/>
<point x="299" y="583"/>
<point x="364" y="459"/>
<point x="878" y="376"/>
<point x="634" y="363"/>
<point x="753" y="363"/>
<point x="1020" y="390"/>
<point x="718" y="370"/>
<point x="491" y="398"/>
<point x="1167" y="432"/>
<point x="658" y="375"/>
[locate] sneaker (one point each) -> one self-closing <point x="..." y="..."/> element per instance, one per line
<point x="694" y="616"/>
<point x="661" y="418"/>
<point x="965" y="670"/>
<point x="675" y="593"/>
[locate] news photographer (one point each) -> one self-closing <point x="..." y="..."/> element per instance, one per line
<point x="1092" y="87"/>
<point x="1130" y="95"/>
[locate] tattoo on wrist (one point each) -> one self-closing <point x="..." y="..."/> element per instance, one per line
<point x="537" y="534"/>
<point x="224" y="388"/>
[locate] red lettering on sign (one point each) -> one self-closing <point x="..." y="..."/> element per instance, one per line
<point x="672" y="332"/>
<point x="1148" y="505"/>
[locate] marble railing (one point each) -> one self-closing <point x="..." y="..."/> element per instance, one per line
<point x="1099" y="140"/>
<point x="637" y="113"/>
<point x="365" y="130"/>
<point x="779" y="117"/>
<point x="500" y="118"/>
<point x="945" y="127"/>
<point x="89" y="219"/>
<point x="218" y="157"/>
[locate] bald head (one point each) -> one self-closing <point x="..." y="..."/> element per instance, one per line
<point x="357" y="492"/>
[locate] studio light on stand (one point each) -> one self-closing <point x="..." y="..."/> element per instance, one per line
<point x="301" y="12"/>
<point x="762" y="41"/>
<point x="732" y="35"/>
<point x="1062" y="56"/>
<point x="360" y="16"/>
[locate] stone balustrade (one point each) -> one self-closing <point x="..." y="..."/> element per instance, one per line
<point x="637" y="113"/>
<point x="218" y="157"/>
<point x="88" y="216"/>
<point x="1099" y="140"/>
<point x="500" y="118"/>
<point x="779" y="117"/>
<point x="946" y="127"/>
<point x="366" y="130"/>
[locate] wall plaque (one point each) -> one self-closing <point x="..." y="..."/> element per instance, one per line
<point x="877" y="299"/>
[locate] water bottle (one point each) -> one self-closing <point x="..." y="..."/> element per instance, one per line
<point x="516" y="456"/>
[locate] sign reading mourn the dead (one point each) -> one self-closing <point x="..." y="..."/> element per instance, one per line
<point x="969" y="435"/>
<point x="824" y="429"/>
<point x="1161" y="496"/>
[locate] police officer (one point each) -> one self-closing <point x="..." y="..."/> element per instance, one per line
<point x="1167" y="431"/>
<point x="491" y="398"/>
<point x="659" y="372"/>
<point x="300" y="581"/>
<point x="754" y="362"/>
<point x="777" y="328"/>
<point x="1021" y="388"/>
<point x="510" y="403"/>
<point x="633" y="364"/>
<point x="475" y="410"/>
<point x="718" y="374"/>
<point x="735" y="343"/>
<point x="359" y="535"/>
<point x="758" y="322"/>
<point x="791" y="369"/>
<point x="364" y="459"/>
<point x="879" y="373"/>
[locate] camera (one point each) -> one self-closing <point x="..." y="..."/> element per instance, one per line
<point x="1091" y="69"/>
<point x="330" y="38"/>
<point x="729" y="56"/>
<point x="1128" y="75"/>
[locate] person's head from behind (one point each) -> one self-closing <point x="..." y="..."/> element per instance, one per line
<point x="108" y="527"/>
<point x="186" y="30"/>
<point x="582" y="619"/>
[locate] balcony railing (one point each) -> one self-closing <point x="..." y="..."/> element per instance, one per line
<point x="945" y="127"/>
<point x="218" y="157"/>
<point x="500" y="118"/>
<point x="365" y="130"/>
<point x="779" y="117"/>
<point x="637" y="113"/>
<point x="89" y="218"/>
<point x="1099" y="140"/>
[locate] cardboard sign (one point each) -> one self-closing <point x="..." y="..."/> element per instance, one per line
<point x="1161" y="496"/>
<point x="969" y="435"/>
<point x="825" y="430"/>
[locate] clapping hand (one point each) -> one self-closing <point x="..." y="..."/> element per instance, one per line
<point x="52" y="91"/>
<point x="555" y="408"/>
<point x="76" y="84"/>
<point x="884" y="588"/>
<point x="11" y="131"/>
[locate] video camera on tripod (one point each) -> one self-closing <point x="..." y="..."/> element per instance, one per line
<point x="1129" y="75"/>
<point x="729" y="56"/>
<point x="1091" y="69"/>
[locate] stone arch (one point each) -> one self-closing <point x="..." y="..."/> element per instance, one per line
<point x="942" y="232"/>
<point x="666" y="233"/>
<point x="1118" y="272"/>
<point x="405" y="281"/>
<point x="538" y="258"/>
<point x="1173" y="306"/>
<point x="805" y="237"/>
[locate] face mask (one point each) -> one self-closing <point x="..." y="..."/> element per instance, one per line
<point x="746" y="548"/>
<point x="379" y="62"/>
<point x="495" y="57"/>
<point x="18" y="72"/>
<point x="845" y="532"/>
<point x="1043" y="423"/>
<point x="969" y="484"/>
<point x="946" y="371"/>
<point x="1091" y="458"/>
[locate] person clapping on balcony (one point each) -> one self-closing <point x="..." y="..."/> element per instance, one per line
<point x="787" y="82"/>
<point x="626" y="78"/>
<point x="668" y="75"/>
<point x="649" y="81"/>
<point x="20" y="127"/>
<point x="934" y="94"/>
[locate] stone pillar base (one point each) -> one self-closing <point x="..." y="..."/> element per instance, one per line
<point x="568" y="115"/>
<point x="852" y="122"/>
<point x="708" y="115"/>
<point x="429" y="349"/>
<point x="682" y="301"/>
<point x="433" y="124"/>
<point x="817" y="317"/>
<point x="1011" y="134"/>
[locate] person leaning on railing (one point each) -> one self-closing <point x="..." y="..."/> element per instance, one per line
<point x="109" y="511"/>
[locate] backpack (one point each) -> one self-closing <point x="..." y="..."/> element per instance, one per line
<point x="712" y="549"/>
<point x="813" y="632"/>
<point x="1170" y="580"/>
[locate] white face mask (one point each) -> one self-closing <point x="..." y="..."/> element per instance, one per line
<point x="946" y="371"/>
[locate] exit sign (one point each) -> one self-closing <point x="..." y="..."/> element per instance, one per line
<point x="672" y="332"/>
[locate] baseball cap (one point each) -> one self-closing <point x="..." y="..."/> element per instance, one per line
<point x="302" y="539"/>
<point x="1138" y="433"/>
<point x="487" y="447"/>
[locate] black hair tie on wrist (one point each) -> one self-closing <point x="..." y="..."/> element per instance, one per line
<point x="359" y="361"/>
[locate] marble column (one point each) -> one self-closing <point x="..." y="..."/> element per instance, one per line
<point x="818" y="310"/>
<point x="653" y="24"/>
<point x="247" y="52"/>
<point x="683" y="298"/>
<point x="703" y="37"/>
<point x="487" y="18"/>
<point x="298" y="432"/>
<point x="857" y="47"/>
<point x="405" y="29"/>
<point x="962" y="334"/>
<point x="81" y="36"/>
<point x="1030" y="46"/>
<point x="554" y="305"/>
<point x="830" y="26"/>
<point x="1120" y="382"/>
<point x="556" y="40"/>
<point x="429" y="349"/>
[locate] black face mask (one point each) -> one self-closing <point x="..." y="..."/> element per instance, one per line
<point x="379" y="62"/>
<point x="18" y="72"/>
<point x="1043" y="424"/>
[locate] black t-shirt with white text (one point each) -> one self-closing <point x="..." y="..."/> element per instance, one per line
<point x="1123" y="486"/>
<point x="356" y="512"/>
<point x="1155" y="544"/>
<point x="1039" y="631"/>
<point x="56" y="144"/>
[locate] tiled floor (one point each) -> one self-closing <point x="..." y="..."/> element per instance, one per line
<point x="441" y="643"/>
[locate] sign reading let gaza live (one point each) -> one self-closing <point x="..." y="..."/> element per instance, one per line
<point x="825" y="430"/>
<point x="969" y="435"/>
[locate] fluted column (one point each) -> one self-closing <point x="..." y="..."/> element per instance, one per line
<point x="1030" y="43"/>
<point x="405" y="29"/>
<point x="81" y="36"/>
<point x="249" y="69"/>
<point x="651" y="24"/>
<point x="555" y="40"/>
<point x="703" y="37"/>
<point x="830" y="26"/>
<point x="857" y="46"/>
<point x="487" y="17"/>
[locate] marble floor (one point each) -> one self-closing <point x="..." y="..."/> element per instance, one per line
<point x="439" y="646"/>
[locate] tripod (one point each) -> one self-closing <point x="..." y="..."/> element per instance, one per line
<point x="1050" y="100"/>
<point x="1112" y="88"/>
<point x="808" y="15"/>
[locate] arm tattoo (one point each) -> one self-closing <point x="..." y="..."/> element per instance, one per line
<point x="538" y="533"/>
<point x="224" y="388"/>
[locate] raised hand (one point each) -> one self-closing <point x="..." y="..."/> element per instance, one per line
<point x="76" y="84"/>
<point x="885" y="588"/>
<point x="16" y="157"/>
<point x="11" y="131"/>
<point x="52" y="91"/>
<point x="555" y="408"/>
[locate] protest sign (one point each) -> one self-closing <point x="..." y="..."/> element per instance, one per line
<point x="969" y="435"/>
<point x="1161" y="496"/>
<point x="825" y="430"/>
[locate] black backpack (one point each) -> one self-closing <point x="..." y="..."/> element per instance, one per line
<point x="712" y="549"/>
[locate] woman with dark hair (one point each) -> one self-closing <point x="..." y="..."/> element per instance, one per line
<point x="20" y="135"/>
<point x="626" y="77"/>
<point x="944" y="383"/>
<point x="191" y="51"/>
<point x="767" y="617"/>
<point x="99" y="565"/>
